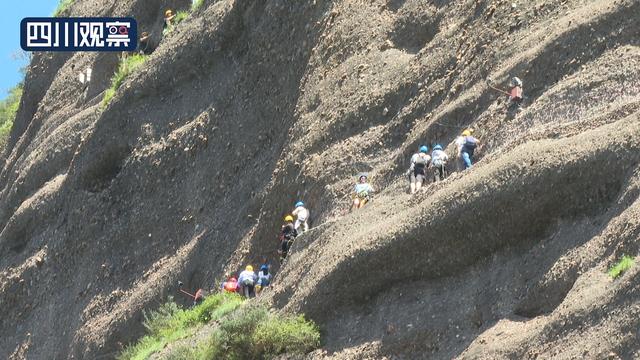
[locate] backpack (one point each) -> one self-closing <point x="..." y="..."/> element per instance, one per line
<point x="421" y="161"/>
<point x="230" y="286"/>
<point x="437" y="162"/>
<point x="247" y="282"/>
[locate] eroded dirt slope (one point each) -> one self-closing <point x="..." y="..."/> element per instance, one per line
<point x="249" y="106"/>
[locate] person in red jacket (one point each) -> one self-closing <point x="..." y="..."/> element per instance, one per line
<point x="230" y="285"/>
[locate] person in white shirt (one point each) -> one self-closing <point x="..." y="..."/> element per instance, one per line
<point x="247" y="282"/>
<point x="417" y="171"/>
<point x="439" y="161"/>
<point x="302" y="215"/>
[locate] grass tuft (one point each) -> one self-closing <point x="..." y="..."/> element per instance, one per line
<point x="621" y="266"/>
<point x="127" y="66"/>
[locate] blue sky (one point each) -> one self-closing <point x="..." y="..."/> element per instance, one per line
<point x="10" y="16"/>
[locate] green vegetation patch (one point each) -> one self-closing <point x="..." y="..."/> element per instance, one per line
<point x="8" y="111"/>
<point x="62" y="6"/>
<point x="180" y="15"/>
<point x="252" y="332"/>
<point x="170" y="323"/>
<point x="621" y="266"/>
<point x="127" y="65"/>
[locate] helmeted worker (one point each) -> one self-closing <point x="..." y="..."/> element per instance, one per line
<point x="515" y="95"/>
<point x="417" y="171"/>
<point x="144" y="44"/>
<point x="169" y="24"/>
<point x="459" y="144"/>
<point x="230" y="285"/>
<point x="247" y="281"/>
<point x="362" y="192"/>
<point x="467" y="144"/>
<point x="439" y="160"/>
<point x="302" y="215"/>
<point x="264" y="278"/>
<point x="287" y="235"/>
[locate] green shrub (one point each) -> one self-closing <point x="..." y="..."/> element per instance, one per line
<point x="233" y="337"/>
<point x="255" y="333"/>
<point x="62" y="6"/>
<point x="249" y="332"/>
<point x="170" y="322"/>
<point x="291" y="335"/>
<point x="127" y="66"/>
<point x="8" y="111"/>
<point x="621" y="266"/>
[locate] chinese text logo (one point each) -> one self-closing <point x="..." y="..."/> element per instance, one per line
<point x="78" y="34"/>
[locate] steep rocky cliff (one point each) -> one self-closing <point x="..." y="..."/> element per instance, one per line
<point x="250" y="105"/>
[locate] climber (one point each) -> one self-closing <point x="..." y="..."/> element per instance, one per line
<point x="144" y="45"/>
<point x="302" y="214"/>
<point x="439" y="162"/>
<point x="515" y="95"/>
<point x="264" y="278"/>
<point x="230" y="285"/>
<point x="247" y="281"/>
<point x="459" y="144"/>
<point x="362" y="192"/>
<point x="198" y="297"/>
<point x="417" y="171"/>
<point x="169" y="24"/>
<point x="287" y="235"/>
<point x="467" y="144"/>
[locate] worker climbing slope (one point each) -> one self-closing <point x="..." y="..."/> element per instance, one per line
<point x="230" y="285"/>
<point x="467" y="145"/>
<point x="439" y="163"/>
<point x="418" y="169"/>
<point x="169" y="22"/>
<point x="287" y="234"/>
<point x="247" y="281"/>
<point x="302" y="216"/>
<point x="362" y="192"/>
<point x="264" y="278"/>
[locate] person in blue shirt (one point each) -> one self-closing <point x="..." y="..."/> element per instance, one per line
<point x="264" y="278"/>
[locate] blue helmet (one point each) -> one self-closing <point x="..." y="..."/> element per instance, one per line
<point x="424" y="149"/>
<point x="299" y="203"/>
<point x="437" y="147"/>
<point x="264" y="267"/>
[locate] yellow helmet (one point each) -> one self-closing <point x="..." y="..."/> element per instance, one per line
<point x="466" y="133"/>
<point x="288" y="218"/>
<point x="249" y="268"/>
<point x="168" y="13"/>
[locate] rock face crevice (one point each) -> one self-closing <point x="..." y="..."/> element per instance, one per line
<point x="248" y="107"/>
